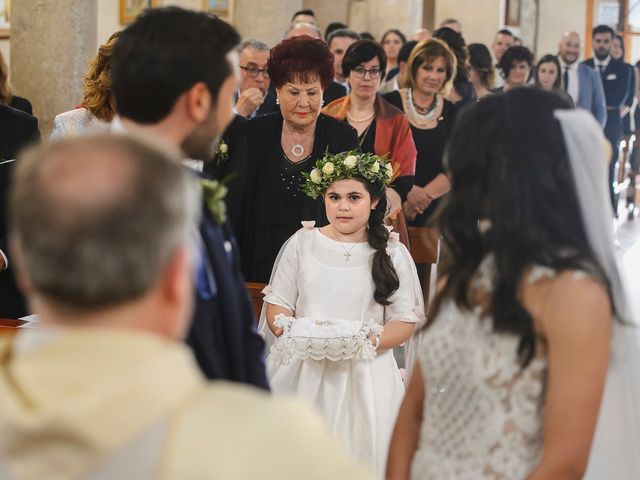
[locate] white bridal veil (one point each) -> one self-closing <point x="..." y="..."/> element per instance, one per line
<point x="615" y="452"/>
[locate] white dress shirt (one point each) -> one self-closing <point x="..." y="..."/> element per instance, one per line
<point x="574" y="79"/>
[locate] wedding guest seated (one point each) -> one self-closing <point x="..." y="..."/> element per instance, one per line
<point x="106" y="388"/>
<point x="265" y="201"/>
<point x="6" y="92"/>
<point x="503" y="40"/>
<point x="399" y="81"/>
<point x="382" y="128"/>
<point x="338" y="42"/>
<point x="515" y="68"/>
<point x="304" y="16"/>
<point x="97" y="108"/>
<point x="183" y="54"/>
<point x="17" y="130"/>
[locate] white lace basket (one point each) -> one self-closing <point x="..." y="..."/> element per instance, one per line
<point x="335" y="340"/>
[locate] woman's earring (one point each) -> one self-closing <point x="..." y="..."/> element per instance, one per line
<point x="277" y="100"/>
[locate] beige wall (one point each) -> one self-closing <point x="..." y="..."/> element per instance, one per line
<point x="555" y="18"/>
<point x="480" y="18"/>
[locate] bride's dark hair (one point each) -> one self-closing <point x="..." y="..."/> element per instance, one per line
<point x="508" y="164"/>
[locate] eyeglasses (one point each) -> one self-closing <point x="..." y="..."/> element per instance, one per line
<point x="254" y="72"/>
<point x="361" y="72"/>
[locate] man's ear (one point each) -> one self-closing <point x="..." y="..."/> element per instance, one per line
<point x="198" y="102"/>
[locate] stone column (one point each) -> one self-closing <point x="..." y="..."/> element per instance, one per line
<point x="266" y="20"/>
<point x="51" y="44"/>
<point x="378" y="16"/>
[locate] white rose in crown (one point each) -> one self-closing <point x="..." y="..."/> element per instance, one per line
<point x="375" y="167"/>
<point x="350" y="161"/>
<point x="315" y="176"/>
<point x="389" y="168"/>
<point x="328" y="168"/>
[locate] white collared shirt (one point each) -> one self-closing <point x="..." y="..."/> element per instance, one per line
<point x="574" y="79"/>
<point x="604" y="63"/>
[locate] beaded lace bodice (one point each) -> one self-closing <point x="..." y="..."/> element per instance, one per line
<point x="482" y="417"/>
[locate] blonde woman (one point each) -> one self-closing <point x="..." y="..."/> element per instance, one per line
<point x="97" y="108"/>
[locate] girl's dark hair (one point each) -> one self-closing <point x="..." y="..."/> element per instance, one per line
<point x="507" y="162"/>
<point x="362" y="51"/>
<point x="549" y="59"/>
<point x="456" y="43"/>
<point x="397" y="32"/>
<point x="383" y="272"/>
<point x="481" y="61"/>
<point x="514" y="55"/>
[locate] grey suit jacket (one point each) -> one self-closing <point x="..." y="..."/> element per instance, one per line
<point x="591" y="95"/>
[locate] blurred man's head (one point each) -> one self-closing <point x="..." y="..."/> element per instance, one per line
<point x="177" y="66"/>
<point x="421" y="34"/>
<point x="304" y="16"/>
<point x="503" y="41"/>
<point x="104" y="224"/>
<point x="569" y="47"/>
<point x="254" y="56"/>
<point x="339" y="41"/>
<point x="602" y="38"/>
<point x="303" y="28"/>
<point x="453" y="24"/>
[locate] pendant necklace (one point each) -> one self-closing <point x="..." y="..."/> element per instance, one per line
<point x="297" y="150"/>
<point x="347" y="252"/>
<point x="425" y="113"/>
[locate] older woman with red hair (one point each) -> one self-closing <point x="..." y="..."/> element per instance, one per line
<point x="265" y="201"/>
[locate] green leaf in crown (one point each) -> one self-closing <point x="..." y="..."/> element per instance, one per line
<point x="340" y="166"/>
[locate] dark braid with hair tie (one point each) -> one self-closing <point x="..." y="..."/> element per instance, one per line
<point x="384" y="274"/>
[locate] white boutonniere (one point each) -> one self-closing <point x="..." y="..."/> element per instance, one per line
<point x="213" y="193"/>
<point x="222" y="152"/>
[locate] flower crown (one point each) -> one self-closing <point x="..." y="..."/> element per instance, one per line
<point x="340" y="166"/>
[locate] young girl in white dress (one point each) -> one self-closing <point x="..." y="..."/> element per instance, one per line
<point x="351" y="279"/>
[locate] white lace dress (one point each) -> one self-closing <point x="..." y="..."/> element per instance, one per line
<point x="482" y="416"/>
<point x="358" y="398"/>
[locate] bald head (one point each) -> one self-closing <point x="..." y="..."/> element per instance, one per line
<point x="569" y="47"/>
<point x="300" y="29"/>
<point x="97" y="219"/>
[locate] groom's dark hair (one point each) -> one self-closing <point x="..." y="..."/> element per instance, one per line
<point x="163" y="54"/>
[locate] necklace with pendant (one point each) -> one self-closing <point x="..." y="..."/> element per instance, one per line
<point x="297" y="150"/>
<point x="422" y="113"/>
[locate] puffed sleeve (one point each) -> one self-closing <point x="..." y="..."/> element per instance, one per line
<point x="407" y="304"/>
<point x="283" y="287"/>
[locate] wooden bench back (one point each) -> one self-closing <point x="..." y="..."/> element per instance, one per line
<point x="425" y="250"/>
<point x="256" y="295"/>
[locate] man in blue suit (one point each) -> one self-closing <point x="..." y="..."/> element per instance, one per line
<point x="173" y="79"/>
<point x="615" y="80"/>
<point x="580" y="81"/>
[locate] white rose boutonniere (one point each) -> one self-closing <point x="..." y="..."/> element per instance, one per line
<point x="222" y="152"/>
<point x="315" y="175"/>
<point x="350" y="162"/>
<point x="213" y="193"/>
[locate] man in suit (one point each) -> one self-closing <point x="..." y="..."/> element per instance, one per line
<point x="17" y="129"/>
<point x="503" y="40"/>
<point x="173" y="79"/>
<point x="254" y="96"/>
<point x="580" y="81"/>
<point x="615" y="81"/>
<point x="338" y="42"/>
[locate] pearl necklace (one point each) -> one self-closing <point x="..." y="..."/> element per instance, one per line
<point x="366" y="119"/>
<point x="430" y="111"/>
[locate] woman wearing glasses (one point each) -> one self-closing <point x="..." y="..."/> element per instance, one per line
<point x="382" y="129"/>
<point x="265" y="202"/>
<point x="430" y="72"/>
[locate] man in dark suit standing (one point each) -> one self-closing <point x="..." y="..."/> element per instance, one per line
<point x="17" y="129"/>
<point x="615" y="80"/>
<point x="173" y="78"/>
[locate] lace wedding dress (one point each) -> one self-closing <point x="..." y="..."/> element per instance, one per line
<point x="482" y="416"/>
<point x="321" y="279"/>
